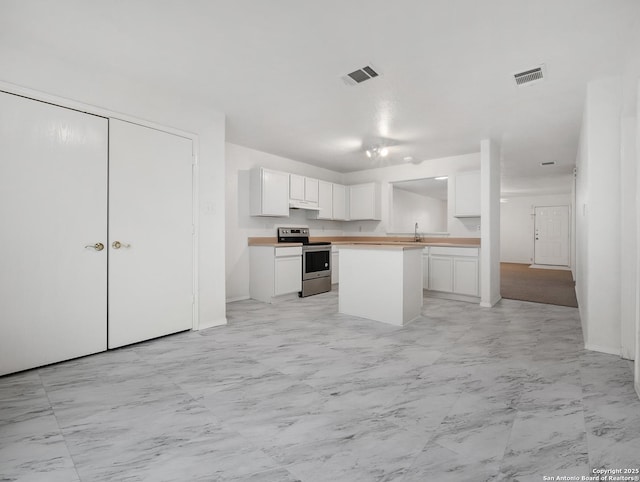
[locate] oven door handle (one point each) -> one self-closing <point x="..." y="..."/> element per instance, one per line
<point x="316" y="248"/>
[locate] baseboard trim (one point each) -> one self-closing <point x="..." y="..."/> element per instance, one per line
<point x="550" y="266"/>
<point x="237" y="298"/>
<point x="212" y="323"/>
<point x="450" y="296"/>
<point x="491" y="304"/>
<point x="602" y="349"/>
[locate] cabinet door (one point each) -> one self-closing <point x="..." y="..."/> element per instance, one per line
<point x="311" y="190"/>
<point x="441" y="273"/>
<point x="325" y="200"/>
<point x="53" y="206"/>
<point x="339" y="202"/>
<point x="275" y="193"/>
<point x="465" y="276"/>
<point x="364" y="201"/>
<point x="288" y="275"/>
<point x="296" y="187"/>
<point x="150" y="215"/>
<point x="467" y="195"/>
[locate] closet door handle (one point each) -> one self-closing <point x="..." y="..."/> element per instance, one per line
<point x="97" y="246"/>
<point x="118" y="245"/>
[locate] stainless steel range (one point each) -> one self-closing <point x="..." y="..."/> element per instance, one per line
<point x="316" y="260"/>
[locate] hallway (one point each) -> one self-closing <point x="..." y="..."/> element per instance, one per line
<point x="539" y="285"/>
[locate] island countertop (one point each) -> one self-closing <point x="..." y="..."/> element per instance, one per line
<point x="387" y="246"/>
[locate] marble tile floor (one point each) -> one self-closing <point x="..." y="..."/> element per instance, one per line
<point x="297" y="392"/>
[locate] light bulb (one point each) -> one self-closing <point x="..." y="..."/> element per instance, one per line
<point x="384" y="151"/>
<point x="368" y="153"/>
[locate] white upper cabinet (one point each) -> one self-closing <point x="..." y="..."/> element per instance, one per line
<point x="296" y="187"/>
<point x="364" y="201"/>
<point x="340" y="206"/>
<point x="311" y="187"/>
<point x="467" y="194"/>
<point x="325" y="200"/>
<point x="269" y="193"/>
<point x="303" y="191"/>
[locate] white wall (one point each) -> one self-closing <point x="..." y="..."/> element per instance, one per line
<point x="598" y="216"/>
<point x="113" y="92"/>
<point x="240" y="225"/>
<point x="446" y="166"/>
<point x="637" y="204"/>
<point x="410" y="208"/>
<point x="581" y="244"/>
<point x="517" y="224"/>
<point x="628" y="237"/>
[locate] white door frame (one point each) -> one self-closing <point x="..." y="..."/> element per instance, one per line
<point x="99" y="111"/>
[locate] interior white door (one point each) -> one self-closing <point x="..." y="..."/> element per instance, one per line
<point x="150" y="233"/>
<point x="53" y="207"/>
<point x="551" y="244"/>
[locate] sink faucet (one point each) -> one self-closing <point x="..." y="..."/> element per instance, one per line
<point x="416" y="236"/>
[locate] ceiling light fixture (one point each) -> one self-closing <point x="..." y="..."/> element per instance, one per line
<point x="375" y="152"/>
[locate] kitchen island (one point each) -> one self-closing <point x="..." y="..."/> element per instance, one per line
<point x="381" y="282"/>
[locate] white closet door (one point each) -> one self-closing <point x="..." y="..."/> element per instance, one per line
<point x="53" y="207"/>
<point x="151" y="216"/>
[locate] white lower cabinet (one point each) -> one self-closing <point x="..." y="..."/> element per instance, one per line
<point x="441" y="273"/>
<point x="288" y="274"/>
<point x="465" y="276"/>
<point x="274" y="271"/>
<point x="335" y="263"/>
<point x="453" y="270"/>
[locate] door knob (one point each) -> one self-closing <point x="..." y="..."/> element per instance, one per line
<point x="118" y="245"/>
<point x="97" y="246"/>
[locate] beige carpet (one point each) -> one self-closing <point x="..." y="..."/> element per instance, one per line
<point x="554" y="287"/>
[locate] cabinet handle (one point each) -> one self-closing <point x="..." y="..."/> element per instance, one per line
<point x="118" y="245"/>
<point x="97" y="246"/>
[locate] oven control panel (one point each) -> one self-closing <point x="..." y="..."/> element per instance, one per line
<point x="293" y="232"/>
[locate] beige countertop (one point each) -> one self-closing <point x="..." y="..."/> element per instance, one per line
<point x="419" y="244"/>
<point x="274" y="244"/>
<point x="384" y="246"/>
<point x="373" y="240"/>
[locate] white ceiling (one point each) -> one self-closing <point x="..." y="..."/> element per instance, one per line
<point x="275" y="67"/>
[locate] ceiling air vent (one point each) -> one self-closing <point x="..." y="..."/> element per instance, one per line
<point x="530" y="76"/>
<point x="358" y="76"/>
